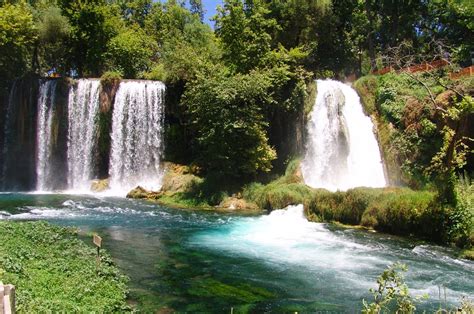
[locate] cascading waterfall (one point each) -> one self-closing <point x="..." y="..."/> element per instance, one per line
<point x="342" y="151"/>
<point x="46" y="107"/>
<point x="137" y="135"/>
<point x="83" y="110"/>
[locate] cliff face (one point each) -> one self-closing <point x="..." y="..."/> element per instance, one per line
<point x="20" y="135"/>
<point x="19" y="117"/>
<point x="106" y="98"/>
<point x="287" y="134"/>
<point x="59" y="134"/>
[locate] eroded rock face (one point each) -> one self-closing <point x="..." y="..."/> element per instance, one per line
<point x="140" y="192"/>
<point x="234" y="203"/>
<point x="178" y="178"/>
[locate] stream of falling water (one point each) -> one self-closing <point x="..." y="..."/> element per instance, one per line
<point x="342" y="151"/>
<point x="137" y="135"/>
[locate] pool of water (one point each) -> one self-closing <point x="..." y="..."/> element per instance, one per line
<point x="214" y="262"/>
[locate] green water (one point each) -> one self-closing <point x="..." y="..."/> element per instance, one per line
<point x="213" y="262"/>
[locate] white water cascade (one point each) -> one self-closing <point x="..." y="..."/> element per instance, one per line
<point x="83" y="108"/>
<point x="341" y="151"/>
<point x="137" y="135"/>
<point x="44" y="139"/>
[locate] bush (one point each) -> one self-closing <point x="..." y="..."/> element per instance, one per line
<point x="365" y="87"/>
<point x="110" y="78"/>
<point x="399" y="212"/>
<point x="461" y="217"/>
<point x="393" y="210"/>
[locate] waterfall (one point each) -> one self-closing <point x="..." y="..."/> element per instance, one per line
<point x="83" y="108"/>
<point x="137" y="135"/>
<point x="341" y="151"/>
<point x="44" y="142"/>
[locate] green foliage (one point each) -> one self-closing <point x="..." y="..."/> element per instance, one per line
<point x="18" y="33"/>
<point x="245" y="32"/>
<point x="392" y="293"/>
<point x="53" y="270"/>
<point x="461" y="217"/>
<point x="187" y="46"/>
<point x="406" y="212"/>
<point x="365" y="87"/>
<point x="131" y="52"/>
<point x="229" y="123"/>
<point x="110" y="77"/>
<point x="54" y="31"/>
<point x="277" y="195"/>
<point x="93" y="25"/>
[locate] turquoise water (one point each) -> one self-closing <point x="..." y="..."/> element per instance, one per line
<point x="206" y="261"/>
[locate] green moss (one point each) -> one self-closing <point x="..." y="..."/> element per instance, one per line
<point x="310" y="99"/>
<point x="183" y="200"/>
<point x="242" y="293"/>
<point x="366" y="87"/>
<point x="53" y="270"/>
<point x="467" y="254"/>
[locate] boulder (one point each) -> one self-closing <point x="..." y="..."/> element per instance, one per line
<point x="100" y="185"/>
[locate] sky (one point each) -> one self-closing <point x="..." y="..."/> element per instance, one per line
<point x="210" y="8"/>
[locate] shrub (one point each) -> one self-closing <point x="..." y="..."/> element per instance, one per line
<point x="110" y="78"/>
<point x="392" y="293"/>
<point x="365" y="87"/>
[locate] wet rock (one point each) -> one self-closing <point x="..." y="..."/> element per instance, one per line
<point x="234" y="203"/>
<point x="142" y="193"/>
<point x="100" y="185"/>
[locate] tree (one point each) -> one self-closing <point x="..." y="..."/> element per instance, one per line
<point x="54" y="31"/>
<point x="131" y="52"/>
<point x="245" y="33"/>
<point x="135" y="11"/>
<point x="226" y="114"/>
<point x="17" y="35"/>
<point x="93" y="24"/>
<point x="196" y="8"/>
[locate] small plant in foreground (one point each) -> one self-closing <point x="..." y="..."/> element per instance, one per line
<point x="391" y="291"/>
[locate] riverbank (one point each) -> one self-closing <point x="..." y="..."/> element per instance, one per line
<point x="208" y="261"/>
<point x="53" y="270"/>
<point x="393" y="210"/>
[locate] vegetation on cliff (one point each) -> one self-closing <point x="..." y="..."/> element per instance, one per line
<point x="273" y="48"/>
<point x="228" y="90"/>
<point x="53" y="270"/>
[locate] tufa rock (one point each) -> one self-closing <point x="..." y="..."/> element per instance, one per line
<point x="100" y="185"/>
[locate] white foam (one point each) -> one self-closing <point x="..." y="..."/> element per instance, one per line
<point x="286" y="236"/>
<point x="342" y="151"/>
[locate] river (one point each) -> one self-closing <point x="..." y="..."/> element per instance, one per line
<point x="221" y="262"/>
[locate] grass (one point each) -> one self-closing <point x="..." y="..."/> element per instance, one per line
<point x="394" y="210"/>
<point x="53" y="270"/>
<point x="280" y="193"/>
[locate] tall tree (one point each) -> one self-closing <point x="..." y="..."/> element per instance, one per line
<point x="93" y="24"/>
<point x="245" y="32"/>
<point x="196" y="8"/>
<point x="18" y="33"/>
